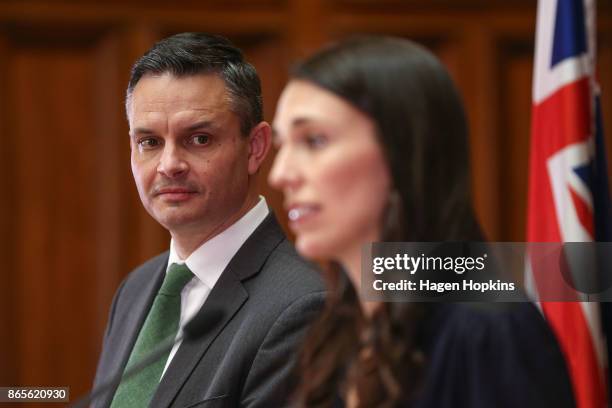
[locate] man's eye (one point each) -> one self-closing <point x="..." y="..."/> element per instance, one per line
<point x="315" y="140"/>
<point x="148" y="143"/>
<point x="200" y="139"/>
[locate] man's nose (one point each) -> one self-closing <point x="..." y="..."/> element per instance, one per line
<point x="172" y="164"/>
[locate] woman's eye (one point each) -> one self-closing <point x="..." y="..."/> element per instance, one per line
<point x="315" y="141"/>
<point x="200" y="139"/>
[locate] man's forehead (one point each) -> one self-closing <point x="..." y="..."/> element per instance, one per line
<point x="200" y="94"/>
<point x="177" y="110"/>
<point x="200" y="91"/>
<point x="180" y="121"/>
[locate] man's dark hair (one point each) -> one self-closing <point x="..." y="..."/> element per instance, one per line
<point x="198" y="53"/>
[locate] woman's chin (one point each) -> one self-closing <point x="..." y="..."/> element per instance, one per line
<point x="311" y="249"/>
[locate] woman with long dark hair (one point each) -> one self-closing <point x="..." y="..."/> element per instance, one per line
<point x="373" y="146"/>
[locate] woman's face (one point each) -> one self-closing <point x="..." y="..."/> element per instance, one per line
<point x="331" y="170"/>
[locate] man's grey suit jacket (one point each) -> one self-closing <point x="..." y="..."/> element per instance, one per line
<point x="268" y="296"/>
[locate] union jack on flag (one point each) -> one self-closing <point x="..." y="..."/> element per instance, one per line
<point x="568" y="189"/>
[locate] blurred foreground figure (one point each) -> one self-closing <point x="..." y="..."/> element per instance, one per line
<point x="373" y="146"/>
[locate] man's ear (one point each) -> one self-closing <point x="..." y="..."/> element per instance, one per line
<point x="260" y="140"/>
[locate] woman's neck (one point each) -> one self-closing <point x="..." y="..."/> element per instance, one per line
<point x="351" y="262"/>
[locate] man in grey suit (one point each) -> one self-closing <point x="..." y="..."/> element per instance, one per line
<point x="197" y="141"/>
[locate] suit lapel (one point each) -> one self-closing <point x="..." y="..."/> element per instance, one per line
<point x="227" y="296"/>
<point x="130" y="323"/>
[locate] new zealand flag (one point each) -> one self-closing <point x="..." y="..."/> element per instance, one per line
<point x="568" y="188"/>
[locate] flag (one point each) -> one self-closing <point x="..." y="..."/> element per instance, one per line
<point x="568" y="188"/>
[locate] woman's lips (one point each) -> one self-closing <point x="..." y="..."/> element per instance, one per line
<point x="300" y="213"/>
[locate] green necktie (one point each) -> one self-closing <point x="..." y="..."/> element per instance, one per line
<point x="161" y="323"/>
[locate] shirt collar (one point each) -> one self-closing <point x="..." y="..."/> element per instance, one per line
<point x="210" y="260"/>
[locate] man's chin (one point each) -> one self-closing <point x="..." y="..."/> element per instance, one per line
<point x="177" y="222"/>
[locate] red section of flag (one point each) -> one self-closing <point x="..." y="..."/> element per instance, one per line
<point x="560" y="199"/>
<point x="562" y="119"/>
<point x="568" y="322"/>
<point x="558" y="121"/>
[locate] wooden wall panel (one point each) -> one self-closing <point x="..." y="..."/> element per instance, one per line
<point x="267" y="56"/>
<point x="604" y="66"/>
<point x="71" y="220"/>
<point x="435" y="5"/>
<point x="8" y="319"/>
<point x="465" y="42"/>
<point x="480" y="89"/>
<point x="53" y="129"/>
<point x="514" y="73"/>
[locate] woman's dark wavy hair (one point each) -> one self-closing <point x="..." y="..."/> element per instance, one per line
<point x="422" y="129"/>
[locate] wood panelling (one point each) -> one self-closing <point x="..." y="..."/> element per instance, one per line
<point x="514" y="72"/>
<point x="216" y="18"/>
<point x="54" y="129"/>
<point x="71" y="220"/>
<point x="8" y="317"/>
<point x="604" y="47"/>
<point x="480" y="89"/>
<point x="269" y="56"/>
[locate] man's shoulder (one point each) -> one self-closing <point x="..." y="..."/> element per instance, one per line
<point x="152" y="263"/>
<point x="147" y="270"/>
<point x="288" y="263"/>
<point x="287" y="274"/>
<point x="269" y="258"/>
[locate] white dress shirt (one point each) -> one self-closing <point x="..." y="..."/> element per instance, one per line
<point x="209" y="261"/>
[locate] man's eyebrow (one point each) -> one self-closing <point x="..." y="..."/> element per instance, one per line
<point x="205" y="124"/>
<point x="141" y="131"/>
